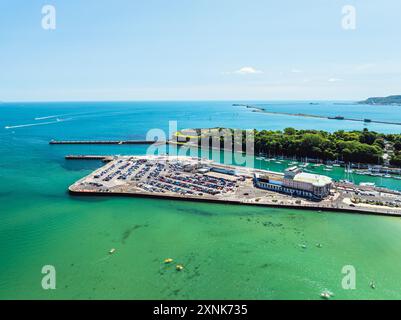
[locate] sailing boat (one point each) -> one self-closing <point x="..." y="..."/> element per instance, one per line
<point x="348" y="174"/>
<point x="348" y="169"/>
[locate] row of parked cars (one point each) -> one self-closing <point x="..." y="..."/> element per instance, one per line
<point x="130" y="168"/>
<point x="186" y="185"/>
<point x="209" y="182"/>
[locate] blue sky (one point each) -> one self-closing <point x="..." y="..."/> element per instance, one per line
<point x="199" y="50"/>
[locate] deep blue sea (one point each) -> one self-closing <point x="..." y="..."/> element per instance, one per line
<point x="134" y="119"/>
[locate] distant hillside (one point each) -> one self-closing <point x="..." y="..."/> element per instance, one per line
<point x="391" y="100"/>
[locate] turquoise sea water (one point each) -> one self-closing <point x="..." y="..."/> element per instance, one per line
<point x="228" y="251"/>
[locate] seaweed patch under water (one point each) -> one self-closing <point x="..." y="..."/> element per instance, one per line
<point x="5" y="194"/>
<point x="127" y="233"/>
<point x="196" y="211"/>
<point x="272" y="224"/>
<point x="88" y="198"/>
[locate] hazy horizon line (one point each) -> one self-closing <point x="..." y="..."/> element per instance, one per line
<point x="179" y="100"/>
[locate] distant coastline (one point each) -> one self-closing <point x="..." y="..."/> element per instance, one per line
<point x="390" y="100"/>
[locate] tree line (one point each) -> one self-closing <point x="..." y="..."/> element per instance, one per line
<point x="353" y="146"/>
<point x="396" y="142"/>
<point x="349" y="146"/>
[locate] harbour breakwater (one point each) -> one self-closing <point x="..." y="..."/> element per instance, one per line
<point x="89" y="157"/>
<point x="339" y="117"/>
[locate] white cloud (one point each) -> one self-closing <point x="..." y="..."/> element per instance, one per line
<point x="247" y="70"/>
<point x="334" y="80"/>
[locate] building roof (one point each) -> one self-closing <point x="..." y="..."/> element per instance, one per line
<point x="276" y="182"/>
<point x="316" y="179"/>
<point x="221" y="176"/>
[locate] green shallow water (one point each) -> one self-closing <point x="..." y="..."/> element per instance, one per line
<point x="229" y="252"/>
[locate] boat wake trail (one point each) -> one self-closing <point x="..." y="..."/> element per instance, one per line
<point x="37" y="124"/>
<point x="63" y="115"/>
<point x="51" y="117"/>
<point x="102" y="260"/>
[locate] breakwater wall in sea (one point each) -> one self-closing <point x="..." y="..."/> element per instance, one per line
<point x="338" y="118"/>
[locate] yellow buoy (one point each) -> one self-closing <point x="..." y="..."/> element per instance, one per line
<point x="179" y="267"/>
<point x="168" y="260"/>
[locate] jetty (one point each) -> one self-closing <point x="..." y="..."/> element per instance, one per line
<point x="117" y="142"/>
<point x="89" y="157"/>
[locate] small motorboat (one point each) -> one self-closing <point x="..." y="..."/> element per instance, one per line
<point x="168" y="260"/>
<point x="326" y="294"/>
<point x="367" y="184"/>
<point x="372" y="285"/>
<point x="179" y="267"/>
<point x="111" y="251"/>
